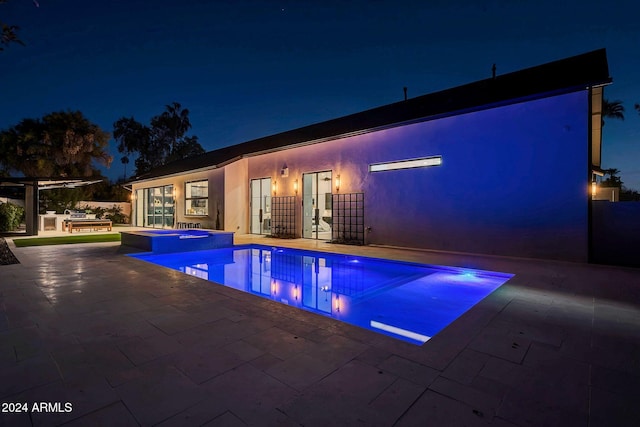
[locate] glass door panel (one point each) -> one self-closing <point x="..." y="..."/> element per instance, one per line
<point x="159" y="207"/>
<point x="167" y="206"/>
<point x="316" y="199"/>
<point x="261" y="206"/>
<point x="308" y="204"/>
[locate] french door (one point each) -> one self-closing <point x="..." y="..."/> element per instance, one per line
<point x="316" y="205"/>
<point x="261" y="206"/>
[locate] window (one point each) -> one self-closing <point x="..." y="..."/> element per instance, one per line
<point x="196" y="197"/>
<point x="406" y="164"/>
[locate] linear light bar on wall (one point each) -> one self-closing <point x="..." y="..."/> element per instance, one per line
<point x="406" y="164"/>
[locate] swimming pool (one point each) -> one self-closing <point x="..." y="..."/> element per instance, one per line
<point x="411" y="302"/>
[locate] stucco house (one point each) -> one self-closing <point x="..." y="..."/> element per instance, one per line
<point x="499" y="166"/>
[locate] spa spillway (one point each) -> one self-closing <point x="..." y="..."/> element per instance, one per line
<point x="164" y="241"/>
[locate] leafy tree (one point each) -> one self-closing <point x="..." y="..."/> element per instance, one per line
<point x="135" y="138"/>
<point x="629" y="195"/>
<point x="613" y="180"/>
<point x="612" y="110"/>
<point x="160" y="143"/>
<point x="170" y="126"/>
<point x="61" y="144"/>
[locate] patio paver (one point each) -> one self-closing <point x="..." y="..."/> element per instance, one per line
<point x="132" y="343"/>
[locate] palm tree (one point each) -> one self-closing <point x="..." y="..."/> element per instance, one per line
<point x="125" y="161"/>
<point x="612" y="110"/>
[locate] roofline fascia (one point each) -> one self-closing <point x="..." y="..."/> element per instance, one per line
<point x="171" y="175"/>
<point x="483" y="107"/>
<point x="460" y="112"/>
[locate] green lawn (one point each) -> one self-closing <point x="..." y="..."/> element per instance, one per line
<point x="65" y="240"/>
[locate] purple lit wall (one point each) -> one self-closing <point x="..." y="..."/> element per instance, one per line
<point x="513" y="179"/>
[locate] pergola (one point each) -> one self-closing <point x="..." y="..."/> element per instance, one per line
<point x="32" y="188"/>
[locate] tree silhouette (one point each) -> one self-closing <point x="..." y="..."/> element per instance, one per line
<point x="613" y="180"/>
<point x="612" y="110"/>
<point x="170" y="126"/>
<point x="60" y="144"/>
<point x="10" y="32"/>
<point x="162" y="142"/>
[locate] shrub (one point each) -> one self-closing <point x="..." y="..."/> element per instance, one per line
<point x="10" y="216"/>
<point x="116" y="216"/>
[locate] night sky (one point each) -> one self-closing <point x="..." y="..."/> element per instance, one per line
<point x="248" y="69"/>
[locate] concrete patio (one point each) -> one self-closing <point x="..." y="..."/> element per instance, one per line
<point x="128" y="343"/>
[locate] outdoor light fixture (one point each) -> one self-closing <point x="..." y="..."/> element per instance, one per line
<point x="594" y="188"/>
<point x="422" y="162"/>
<point x="399" y="331"/>
<point x="295" y="186"/>
<point x="274" y="187"/>
<point x="337" y="183"/>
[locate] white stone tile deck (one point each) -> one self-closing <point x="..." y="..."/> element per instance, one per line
<point x="130" y="343"/>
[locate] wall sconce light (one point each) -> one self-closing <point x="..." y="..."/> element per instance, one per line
<point x="295" y="187"/>
<point x="337" y="183"/>
<point x="274" y="187"/>
<point x="594" y="188"/>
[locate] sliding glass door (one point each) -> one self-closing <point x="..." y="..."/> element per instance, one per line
<point x="159" y="207"/>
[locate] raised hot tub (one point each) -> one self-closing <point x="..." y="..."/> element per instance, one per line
<point x="164" y="241"/>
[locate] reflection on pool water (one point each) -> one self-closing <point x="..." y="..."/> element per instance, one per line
<point x="411" y="302"/>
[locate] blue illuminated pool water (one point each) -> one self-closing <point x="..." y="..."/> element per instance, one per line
<point x="411" y="302"/>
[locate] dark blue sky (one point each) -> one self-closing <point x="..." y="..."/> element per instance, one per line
<point x="247" y="69"/>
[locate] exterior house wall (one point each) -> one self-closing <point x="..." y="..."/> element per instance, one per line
<point x="215" y="177"/>
<point x="611" y="194"/>
<point x="490" y="195"/>
<point x="236" y="197"/>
